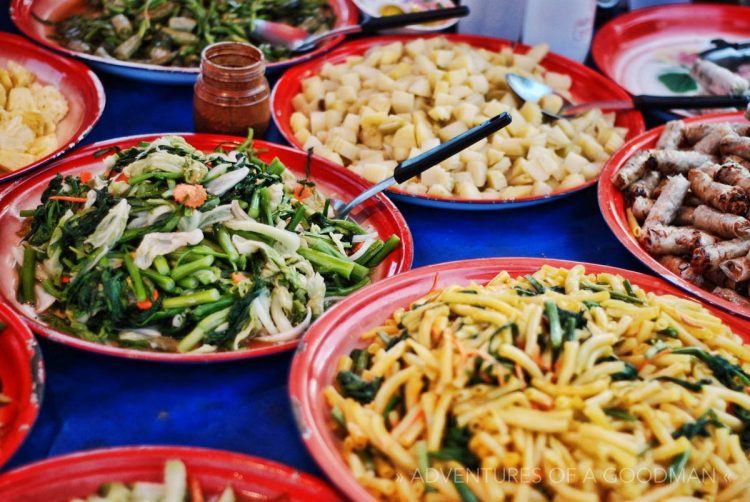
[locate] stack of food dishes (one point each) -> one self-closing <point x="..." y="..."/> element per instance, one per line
<point x="514" y="378"/>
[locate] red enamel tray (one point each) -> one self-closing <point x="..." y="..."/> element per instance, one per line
<point x="587" y="86"/>
<point x="339" y="330"/>
<point x="21" y="379"/>
<point x="612" y="206"/>
<point x="81" y="474"/>
<point x="378" y="213"/>
<point x="635" y="48"/>
<point x="22" y="13"/>
<point x="76" y="82"/>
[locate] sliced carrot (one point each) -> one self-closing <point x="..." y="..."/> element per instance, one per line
<point x="237" y="277"/>
<point x="145" y="304"/>
<point x="190" y="195"/>
<point x="67" y="198"/>
<point x="85" y="177"/>
<point x="356" y="247"/>
<point x="196" y="492"/>
<point x="65" y="279"/>
<point x="301" y="192"/>
<point x="646" y="362"/>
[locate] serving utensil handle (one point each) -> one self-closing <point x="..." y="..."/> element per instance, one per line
<point x="688" y="102"/>
<point x="419" y="164"/>
<point x="387" y="22"/>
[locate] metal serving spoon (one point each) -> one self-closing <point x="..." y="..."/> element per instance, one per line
<point x="532" y="90"/>
<point x="298" y="40"/>
<point x="419" y="164"/>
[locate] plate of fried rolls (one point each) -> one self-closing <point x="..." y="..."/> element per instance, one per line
<point x="678" y="198"/>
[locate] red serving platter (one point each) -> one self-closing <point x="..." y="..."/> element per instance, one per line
<point x="379" y="213"/>
<point x="612" y="206"/>
<point x="81" y="474"/>
<point x="80" y="86"/>
<point x="21" y="379"/>
<point x="339" y="330"/>
<point x="23" y="13"/>
<point x="588" y="85"/>
<point x="631" y="47"/>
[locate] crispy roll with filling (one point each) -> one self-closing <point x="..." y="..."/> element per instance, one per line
<point x="646" y="186"/>
<point x="666" y="239"/>
<point x="737" y="269"/>
<point x="641" y="207"/>
<point x="717" y="79"/>
<point x="632" y="170"/>
<point x="725" y="198"/>
<point x="722" y="224"/>
<point x="677" y="161"/>
<point x="726" y="159"/>
<point x="666" y="206"/>
<point x="710" y="168"/>
<point x="710" y="142"/>
<point x="731" y="295"/>
<point x="734" y="144"/>
<point x="671" y="137"/>
<point x="682" y="268"/>
<point x="734" y="174"/>
<point x="693" y="133"/>
<point x="713" y="255"/>
<point x="717" y="277"/>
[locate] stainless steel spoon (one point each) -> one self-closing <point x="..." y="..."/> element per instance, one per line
<point x="298" y="40"/>
<point x="532" y="90"/>
<point x="419" y="164"/>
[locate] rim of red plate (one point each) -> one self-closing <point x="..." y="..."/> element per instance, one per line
<point x="289" y="84"/>
<point x="632" y="26"/>
<point x="20" y="14"/>
<point x="18" y="343"/>
<point x="332" y="173"/>
<point x="339" y="329"/>
<point x="612" y="207"/>
<point x="88" y="84"/>
<point x="237" y="466"/>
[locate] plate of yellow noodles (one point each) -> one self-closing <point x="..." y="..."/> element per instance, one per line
<point x="526" y="379"/>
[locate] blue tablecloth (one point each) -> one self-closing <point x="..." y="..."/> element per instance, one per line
<point x="94" y="401"/>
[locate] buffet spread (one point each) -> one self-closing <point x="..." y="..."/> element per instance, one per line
<point x="506" y="377"/>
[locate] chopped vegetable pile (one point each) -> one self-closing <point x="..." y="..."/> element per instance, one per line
<point x="173" y="32"/>
<point x="173" y="249"/>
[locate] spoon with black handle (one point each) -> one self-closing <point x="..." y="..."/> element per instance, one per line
<point x="419" y="164"/>
<point x="299" y="40"/>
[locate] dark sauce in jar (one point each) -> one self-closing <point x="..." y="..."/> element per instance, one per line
<point x="232" y="93"/>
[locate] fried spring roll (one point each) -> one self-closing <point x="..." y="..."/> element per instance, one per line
<point x="641" y="207"/>
<point x="713" y="255"/>
<point x="734" y="174"/>
<point x="719" y="278"/>
<point x="671" y="137"/>
<point x="710" y="143"/>
<point x="737" y="269"/>
<point x="632" y="170"/>
<point x="695" y="132"/>
<point x="716" y="79"/>
<point x="678" y="161"/>
<point x="731" y="295"/>
<point x="726" y="159"/>
<point x="734" y="144"/>
<point x="721" y="224"/>
<point x="692" y="201"/>
<point x="682" y="268"/>
<point x="665" y="239"/>
<point x="645" y="186"/>
<point x="666" y="206"/>
<point x="725" y="198"/>
<point x="710" y="168"/>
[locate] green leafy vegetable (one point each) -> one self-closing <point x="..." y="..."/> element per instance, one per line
<point x="678" y="82"/>
<point x="354" y="386"/>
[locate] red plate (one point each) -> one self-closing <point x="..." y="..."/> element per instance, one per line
<point x="635" y="48"/>
<point x="81" y="474"/>
<point x="21" y="14"/>
<point x="587" y="86"/>
<point x="378" y="213"/>
<point x="78" y="84"/>
<point x="339" y="331"/>
<point x="21" y="379"/>
<point x="612" y="206"/>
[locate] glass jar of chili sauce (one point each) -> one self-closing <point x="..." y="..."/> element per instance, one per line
<point x="232" y="94"/>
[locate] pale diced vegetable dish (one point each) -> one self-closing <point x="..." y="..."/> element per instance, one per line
<point x="401" y="99"/>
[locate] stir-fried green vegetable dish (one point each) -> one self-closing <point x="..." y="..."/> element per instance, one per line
<point x="173" y="32"/>
<point x="173" y="249"/>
